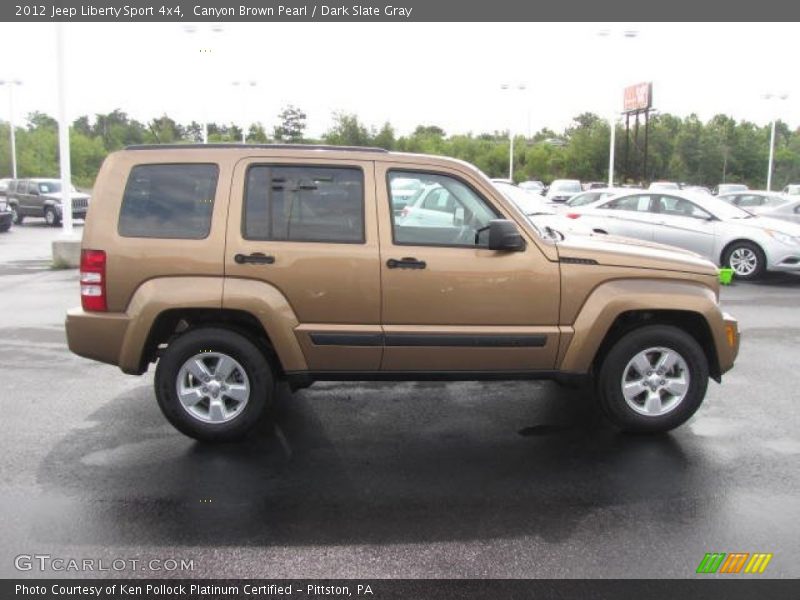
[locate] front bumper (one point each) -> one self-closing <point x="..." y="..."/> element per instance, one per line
<point x="728" y="345"/>
<point x="5" y="218"/>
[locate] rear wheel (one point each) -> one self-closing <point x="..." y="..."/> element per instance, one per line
<point x="213" y="384"/>
<point x="653" y="379"/>
<point x="16" y="217"/>
<point x="51" y="217"/>
<point x="746" y="259"/>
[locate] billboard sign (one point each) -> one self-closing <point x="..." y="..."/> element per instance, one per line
<point x="638" y="97"/>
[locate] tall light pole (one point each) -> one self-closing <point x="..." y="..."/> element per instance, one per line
<point x="204" y="36"/>
<point x="520" y="87"/>
<point x="245" y="87"/>
<point x="614" y="53"/>
<point x="11" y="83"/>
<point x="63" y="135"/>
<point x="772" y="136"/>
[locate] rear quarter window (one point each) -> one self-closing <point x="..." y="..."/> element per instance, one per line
<point x="173" y="201"/>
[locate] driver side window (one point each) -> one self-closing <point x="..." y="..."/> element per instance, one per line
<point x="443" y="211"/>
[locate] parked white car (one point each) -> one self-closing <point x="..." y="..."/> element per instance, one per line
<point x="710" y="227"/>
<point x="539" y="212"/>
<point x="562" y="190"/>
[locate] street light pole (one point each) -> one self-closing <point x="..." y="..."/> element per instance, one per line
<point x="63" y="136"/>
<point x="191" y="29"/>
<point x="772" y="137"/>
<point x="244" y="85"/>
<point x="612" y="121"/>
<point x="11" y="83"/>
<point x="520" y="87"/>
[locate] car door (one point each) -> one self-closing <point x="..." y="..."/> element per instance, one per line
<point x="451" y="304"/>
<point x="25" y="198"/>
<point x="627" y="216"/>
<point x="684" y="224"/>
<point x="307" y="228"/>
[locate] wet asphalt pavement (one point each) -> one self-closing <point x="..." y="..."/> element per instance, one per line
<point x="519" y="479"/>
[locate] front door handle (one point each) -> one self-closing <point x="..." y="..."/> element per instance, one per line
<point x="256" y="258"/>
<point x="406" y="263"/>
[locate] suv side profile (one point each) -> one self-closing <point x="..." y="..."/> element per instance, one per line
<point x="234" y="266"/>
<point x="42" y="198"/>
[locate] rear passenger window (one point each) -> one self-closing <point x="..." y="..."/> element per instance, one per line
<point x="169" y="201"/>
<point x="304" y="204"/>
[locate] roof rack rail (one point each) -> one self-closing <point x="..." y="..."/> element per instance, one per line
<point x="233" y="146"/>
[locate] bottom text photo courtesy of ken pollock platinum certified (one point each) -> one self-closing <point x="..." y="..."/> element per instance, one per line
<point x="194" y="589"/>
<point x="241" y="11"/>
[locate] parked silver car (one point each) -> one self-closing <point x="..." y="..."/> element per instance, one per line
<point x="788" y="210"/>
<point x="755" y="201"/>
<point x="726" y="234"/>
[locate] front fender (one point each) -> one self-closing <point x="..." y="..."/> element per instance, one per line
<point x="609" y="300"/>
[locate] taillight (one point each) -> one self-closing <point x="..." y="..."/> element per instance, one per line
<point x="573" y="215"/>
<point x="93" y="280"/>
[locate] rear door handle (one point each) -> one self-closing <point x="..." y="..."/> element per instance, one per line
<point x="406" y="263"/>
<point x="256" y="258"/>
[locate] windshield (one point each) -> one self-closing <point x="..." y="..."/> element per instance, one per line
<point x="719" y="208"/>
<point x="732" y="187"/>
<point x="52" y="187"/>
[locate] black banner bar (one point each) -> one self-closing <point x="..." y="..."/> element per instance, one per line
<point x="733" y="588"/>
<point x="397" y="10"/>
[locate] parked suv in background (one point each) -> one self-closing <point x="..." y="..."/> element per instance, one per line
<point x="6" y="216"/>
<point x="42" y="198"/>
<point x="231" y="266"/>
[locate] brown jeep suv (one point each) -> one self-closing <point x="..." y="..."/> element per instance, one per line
<point x="235" y="266"/>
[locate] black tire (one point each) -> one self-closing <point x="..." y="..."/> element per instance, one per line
<point x="610" y="378"/>
<point x="214" y="340"/>
<point x="17" y="218"/>
<point x="51" y="217"/>
<point x="761" y="259"/>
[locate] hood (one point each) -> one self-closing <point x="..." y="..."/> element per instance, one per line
<point x="764" y="222"/>
<point x="73" y="195"/>
<point x="618" y="251"/>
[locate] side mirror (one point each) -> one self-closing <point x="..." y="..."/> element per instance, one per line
<point x="504" y="235"/>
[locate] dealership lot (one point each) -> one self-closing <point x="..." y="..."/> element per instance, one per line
<point x="513" y="479"/>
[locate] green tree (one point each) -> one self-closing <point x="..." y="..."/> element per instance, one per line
<point x="291" y="125"/>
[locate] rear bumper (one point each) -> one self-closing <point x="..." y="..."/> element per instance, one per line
<point x="99" y="336"/>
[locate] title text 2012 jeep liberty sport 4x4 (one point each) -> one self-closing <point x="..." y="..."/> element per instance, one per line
<point x="235" y="265"/>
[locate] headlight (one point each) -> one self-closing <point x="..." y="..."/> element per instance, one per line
<point x="3" y="205"/>
<point x="783" y="238"/>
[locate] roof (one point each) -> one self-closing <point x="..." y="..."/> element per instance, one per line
<point x="258" y="146"/>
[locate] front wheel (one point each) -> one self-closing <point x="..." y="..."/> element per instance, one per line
<point x="15" y="216"/>
<point x="653" y="379"/>
<point x="746" y="259"/>
<point x="213" y="384"/>
<point x="51" y="217"/>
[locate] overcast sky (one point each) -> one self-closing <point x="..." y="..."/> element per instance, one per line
<point x="448" y="74"/>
